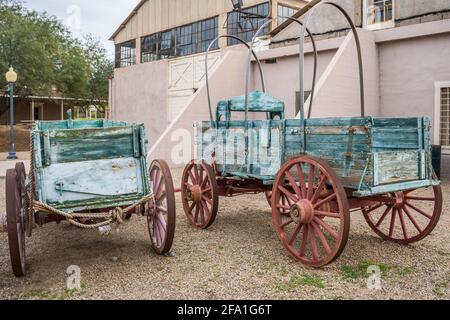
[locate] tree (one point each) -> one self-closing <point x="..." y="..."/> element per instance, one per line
<point x="101" y="69"/>
<point x="48" y="58"/>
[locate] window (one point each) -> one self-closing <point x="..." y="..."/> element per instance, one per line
<point x="149" y="48"/>
<point x="245" y="26"/>
<point x="185" y="40"/>
<point x="379" y="13"/>
<point x="283" y="12"/>
<point x="167" y="44"/>
<point x="207" y="31"/>
<point x="445" y="117"/>
<point x="180" y="41"/>
<point x="126" y="54"/>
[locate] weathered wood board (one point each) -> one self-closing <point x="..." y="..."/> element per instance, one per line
<point x="83" y="165"/>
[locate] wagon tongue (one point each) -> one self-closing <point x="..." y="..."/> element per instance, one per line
<point x="2" y="222"/>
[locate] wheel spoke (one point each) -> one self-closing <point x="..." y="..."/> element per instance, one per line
<point x="301" y="178"/>
<point x="374" y="208"/>
<point x="191" y="176"/>
<point x="284" y="207"/>
<point x="295" y="234"/>
<point x="388" y="209"/>
<point x="327" y="228"/>
<point x="304" y="241"/>
<point x="208" y="212"/>
<point x="402" y="222"/>
<point x="322" y="238"/>
<point x="286" y="223"/>
<point x="320" y="187"/>
<point x="208" y="200"/>
<point x="420" y="198"/>
<point x="311" y="177"/>
<point x="391" y="229"/>
<point x="314" y="250"/>
<point x="191" y="207"/>
<point x="414" y="222"/>
<point x="293" y="184"/>
<point x="326" y="200"/>
<point x="197" y="212"/>
<point x="327" y="214"/>
<point x="196" y="175"/>
<point x="418" y="210"/>
<point x="288" y="194"/>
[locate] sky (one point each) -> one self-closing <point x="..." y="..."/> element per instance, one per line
<point x="98" y="17"/>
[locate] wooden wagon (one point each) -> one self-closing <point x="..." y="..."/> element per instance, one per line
<point x="91" y="174"/>
<point x="315" y="172"/>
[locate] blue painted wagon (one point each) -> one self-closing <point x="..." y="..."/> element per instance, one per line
<point x="92" y="174"/>
<point x="315" y="172"/>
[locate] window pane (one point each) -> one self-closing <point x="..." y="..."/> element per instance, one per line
<point x="125" y="54"/>
<point x="283" y="12"/>
<point x="149" y="48"/>
<point x="245" y="25"/>
<point x="379" y="11"/>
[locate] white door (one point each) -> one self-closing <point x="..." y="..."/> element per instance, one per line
<point x="186" y="75"/>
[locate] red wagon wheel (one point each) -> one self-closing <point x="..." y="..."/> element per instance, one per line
<point x="161" y="219"/>
<point x="200" y="194"/>
<point x="316" y="230"/>
<point x="15" y="215"/>
<point x="405" y="217"/>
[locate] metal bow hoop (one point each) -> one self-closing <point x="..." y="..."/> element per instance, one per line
<point x="206" y="69"/>
<point x="249" y="61"/>
<point x="313" y="88"/>
<point x="302" y="58"/>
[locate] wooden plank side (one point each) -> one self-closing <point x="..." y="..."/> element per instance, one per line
<point x="69" y="184"/>
<point x="83" y="145"/>
<point x="397" y="166"/>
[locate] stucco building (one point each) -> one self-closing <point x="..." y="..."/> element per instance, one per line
<point x="406" y="50"/>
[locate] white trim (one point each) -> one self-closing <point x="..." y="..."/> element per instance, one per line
<point x="438" y="85"/>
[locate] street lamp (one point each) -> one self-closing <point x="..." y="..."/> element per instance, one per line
<point x="237" y="4"/>
<point x="11" y="78"/>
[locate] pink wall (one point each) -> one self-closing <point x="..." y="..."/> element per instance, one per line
<point x="282" y="77"/>
<point x="226" y="80"/>
<point x="408" y="72"/>
<point x="139" y="94"/>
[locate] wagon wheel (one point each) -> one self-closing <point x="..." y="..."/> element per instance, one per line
<point x="161" y="219"/>
<point x="316" y="230"/>
<point x="405" y="217"/>
<point x="199" y="194"/>
<point x="15" y="212"/>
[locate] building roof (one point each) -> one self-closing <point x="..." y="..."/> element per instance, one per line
<point x="141" y="3"/>
<point x="130" y="16"/>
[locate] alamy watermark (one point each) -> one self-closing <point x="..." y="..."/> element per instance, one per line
<point x="74" y="278"/>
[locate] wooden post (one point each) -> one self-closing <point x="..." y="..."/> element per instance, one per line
<point x="62" y="109"/>
<point x="32" y="110"/>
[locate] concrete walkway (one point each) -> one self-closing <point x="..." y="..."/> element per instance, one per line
<point x="9" y="164"/>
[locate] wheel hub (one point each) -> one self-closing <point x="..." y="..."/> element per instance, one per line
<point x="195" y="194"/>
<point x="152" y="207"/>
<point x="399" y="200"/>
<point x="302" y="212"/>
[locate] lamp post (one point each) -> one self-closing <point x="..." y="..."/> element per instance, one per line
<point x="11" y="78"/>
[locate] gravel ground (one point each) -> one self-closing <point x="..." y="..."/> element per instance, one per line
<point x="239" y="257"/>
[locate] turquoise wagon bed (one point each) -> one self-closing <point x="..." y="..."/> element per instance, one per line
<point x="91" y="174"/>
